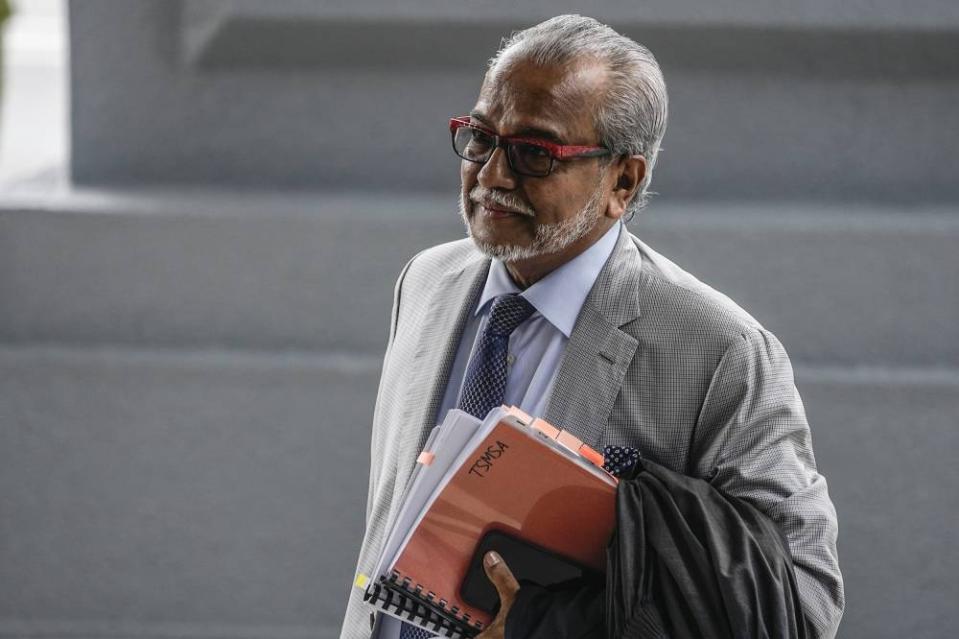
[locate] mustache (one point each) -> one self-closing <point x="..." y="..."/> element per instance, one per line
<point x="501" y="200"/>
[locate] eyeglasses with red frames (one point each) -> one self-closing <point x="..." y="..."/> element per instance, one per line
<point x="533" y="157"/>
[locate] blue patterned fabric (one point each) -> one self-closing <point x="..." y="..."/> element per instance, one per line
<point x="409" y="631"/>
<point x="485" y="381"/>
<point x="620" y="460"/>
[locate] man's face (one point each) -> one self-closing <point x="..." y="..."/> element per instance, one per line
<point x="519" y="218"/>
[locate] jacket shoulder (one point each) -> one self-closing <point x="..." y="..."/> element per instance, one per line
<point x="677" y="303"/>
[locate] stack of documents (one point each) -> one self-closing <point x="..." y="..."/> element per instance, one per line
<point x="505" y="479"/>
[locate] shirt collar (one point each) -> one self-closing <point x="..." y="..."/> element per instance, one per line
<point x="560" y="295"/>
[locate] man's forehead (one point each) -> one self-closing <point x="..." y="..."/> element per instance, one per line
<point x="556" y="98"/>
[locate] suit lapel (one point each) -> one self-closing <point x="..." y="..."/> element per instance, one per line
<point x="598" y="353"/>
<point x="453" y="299"/>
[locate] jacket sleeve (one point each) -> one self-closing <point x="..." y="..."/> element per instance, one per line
<point x="753" y="442"/>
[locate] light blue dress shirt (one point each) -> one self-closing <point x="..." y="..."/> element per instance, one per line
<point x="536" y="346"/>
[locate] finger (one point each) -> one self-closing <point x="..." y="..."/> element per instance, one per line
<point x="501" y="576"/>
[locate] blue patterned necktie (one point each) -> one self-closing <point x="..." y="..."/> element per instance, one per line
<point x="409" y="631"/>
<point x="485" y="383"/>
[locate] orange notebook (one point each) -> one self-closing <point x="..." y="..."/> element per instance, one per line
<point x="535" y="483"/>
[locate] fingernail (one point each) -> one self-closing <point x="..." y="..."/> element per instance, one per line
<point x="492" y="559"/>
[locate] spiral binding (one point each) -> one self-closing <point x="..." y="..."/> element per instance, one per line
<point x="412" y="604"/>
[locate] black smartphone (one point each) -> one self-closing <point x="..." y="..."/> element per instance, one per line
<point x="525" y="560"/>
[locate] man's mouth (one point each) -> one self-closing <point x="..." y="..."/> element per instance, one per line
<point x="498" y="211"/>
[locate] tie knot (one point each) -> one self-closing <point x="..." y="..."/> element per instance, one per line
<point x="508" y="312"/>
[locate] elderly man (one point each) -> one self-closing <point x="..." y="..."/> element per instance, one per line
<point x="606" y="338"/>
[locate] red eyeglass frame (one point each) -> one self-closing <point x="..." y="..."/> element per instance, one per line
<point x="558" y="151"/>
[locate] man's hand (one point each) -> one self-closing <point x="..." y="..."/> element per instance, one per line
<point x="507" y="586"/>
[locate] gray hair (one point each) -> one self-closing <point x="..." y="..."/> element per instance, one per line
<point x="632" y="118"/>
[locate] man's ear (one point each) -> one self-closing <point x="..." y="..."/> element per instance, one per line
<point x="629" y="172"/>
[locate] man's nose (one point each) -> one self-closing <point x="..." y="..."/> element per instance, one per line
<point x="496" y="172"/>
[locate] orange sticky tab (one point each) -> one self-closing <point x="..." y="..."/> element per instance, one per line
<point x="546" y="428"/>
<point x="569" y="440"/>
<point x="591" y="455"/>
<point x="426" y="458"/>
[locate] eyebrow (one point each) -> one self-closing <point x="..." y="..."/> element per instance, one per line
<point x="528" y="131"/>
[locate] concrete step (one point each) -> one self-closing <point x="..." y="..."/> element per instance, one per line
<point x="817" y="99"/>
<point x="210" y="491"/>
<point x="838" y="284"/>
<point x="219" y="493"/>
<point x="886" y="441"/>
<point x="935" y="15"/>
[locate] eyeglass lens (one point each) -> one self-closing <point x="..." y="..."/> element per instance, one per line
<point x="477" y="146"/>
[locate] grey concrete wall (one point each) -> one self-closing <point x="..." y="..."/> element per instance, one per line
<point x="205" y="495"/>
<point x="190" y="335"/>
<point x="823" y="101"/>
<point x="171" y="493"/>
<point x="838" y="284"/>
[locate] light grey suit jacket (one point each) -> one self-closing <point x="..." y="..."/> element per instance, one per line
<point x="657" y="361"/>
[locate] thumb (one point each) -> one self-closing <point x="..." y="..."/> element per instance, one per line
<point x="501" y="576"/>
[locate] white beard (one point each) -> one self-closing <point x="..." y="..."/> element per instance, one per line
<point x="549" y="238"/>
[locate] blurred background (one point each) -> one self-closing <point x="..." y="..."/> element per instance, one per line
<point x="204" y="205"/>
